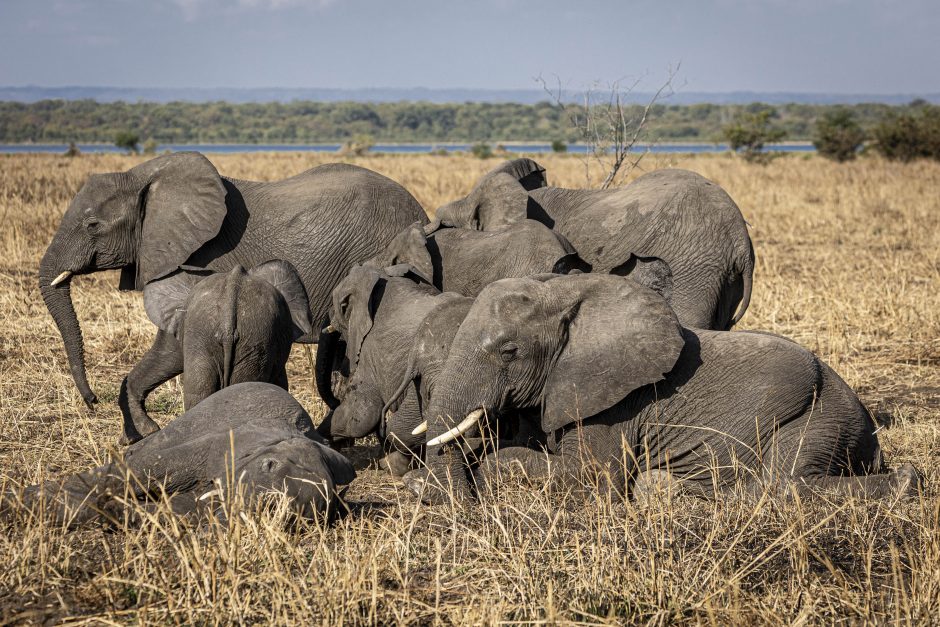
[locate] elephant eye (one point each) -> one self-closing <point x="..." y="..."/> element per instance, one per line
<point x="92" y="224"/>
<point x="508" y="351"/>
<point x="268" y="465"/>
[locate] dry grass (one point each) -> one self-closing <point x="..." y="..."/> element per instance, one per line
<point x="848" y="265"/>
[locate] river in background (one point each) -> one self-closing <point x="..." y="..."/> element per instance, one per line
<point x="389" y="148"/>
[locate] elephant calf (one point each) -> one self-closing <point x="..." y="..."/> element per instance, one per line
<point x="623" y="388"/>
<point x="234" y="327"/>
<point x="273" y="441"/>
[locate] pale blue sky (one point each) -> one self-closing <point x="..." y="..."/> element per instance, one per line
<point x="845" y="46"/>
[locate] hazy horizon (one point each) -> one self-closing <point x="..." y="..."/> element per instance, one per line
<point x="766" y="46"/>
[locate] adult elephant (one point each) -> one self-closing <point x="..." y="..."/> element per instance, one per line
<point x="623" y="388"/>
<point x="676" y="216"/>
<point x="176" y="212"/>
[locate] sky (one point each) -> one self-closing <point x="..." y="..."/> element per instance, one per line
<point x="827" y="46"/>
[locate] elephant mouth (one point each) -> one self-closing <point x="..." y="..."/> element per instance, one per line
<point x="462" y="427"/>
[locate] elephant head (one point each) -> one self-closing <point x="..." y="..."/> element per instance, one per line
<point x="408" y="247"/>
<point x="573" y="345"/>
<point x="500" y="198"/>
<point x="146" y="221"/>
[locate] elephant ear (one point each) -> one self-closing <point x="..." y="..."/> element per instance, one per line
<point x="498" y="201"/>
<point x="407" y="271"/>
<point x="183" y="207"/>
<point x="339" y="466"/>
<point x="283" y="276"/>
<point x="355" y="301"/>
<point x="527" y="172"/>
<point x="408" y="247"/>
<point x="165" y="299"/>
<point x="617" y="337"/>
<point x="652" y="272"/>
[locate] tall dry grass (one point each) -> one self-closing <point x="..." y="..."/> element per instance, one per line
<point x="848" y="265"/>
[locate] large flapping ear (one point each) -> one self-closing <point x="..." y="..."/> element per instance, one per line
<point x="497" y="201"/>
<point x="527" y="172"/>
<point x="652" y="272"/>
<point x="183" y="207"/>
<point x="355" y="301"/>
<point x="616" y="336"/>
<point x="165" y="299"/>
<point x="283" y="276"/>
<point x="408" y="247"/>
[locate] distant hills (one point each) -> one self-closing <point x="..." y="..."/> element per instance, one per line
<point x="29" y="94"/>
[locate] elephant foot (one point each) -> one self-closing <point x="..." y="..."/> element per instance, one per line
<point x="396" y="463"/>
<point x="906" y="482"/>
<point x="136" y="430"/>
<point x="431" y="491"/>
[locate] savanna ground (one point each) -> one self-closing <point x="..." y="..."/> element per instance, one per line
<point x="848" y="264"/>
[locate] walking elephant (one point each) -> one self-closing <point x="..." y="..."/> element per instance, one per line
<point x="176" y="212"/>
<point x="676" y="216"/>
<point x="233" y="327"/>
<point x="622" y="388"/>
<point x="260" y="426"/>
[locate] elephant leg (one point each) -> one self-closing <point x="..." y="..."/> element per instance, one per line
<point x="162" y="362"/>
<point x="905" y="482"/>
<point x="200" y="380"/>
<point x="280" y="377"/>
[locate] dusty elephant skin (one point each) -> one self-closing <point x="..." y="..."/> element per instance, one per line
<point x="465" y="261"/>
<point x="233" y="327"/>
<point x="624" y="388"/>
<point x="275" y="449"/>
<point x="675" y="216"/>
<point x="379" y="314"/>
<point x="176" y="211"/>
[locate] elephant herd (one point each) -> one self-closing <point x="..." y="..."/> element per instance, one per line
<point x="581" y="337"/>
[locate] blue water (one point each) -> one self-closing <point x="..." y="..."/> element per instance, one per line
<point x="386" y="148"/>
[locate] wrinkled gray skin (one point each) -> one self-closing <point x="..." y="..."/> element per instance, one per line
<point x="379" y="313"/>
<point x="275" y="449"/>
<point x="676" y="216"/>
<point x="618" y="379"/>
<point x="233" y="327"/>
<point x="176" y="211"/>
<point x="465" y="261"/>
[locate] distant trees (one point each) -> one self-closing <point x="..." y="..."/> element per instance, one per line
<point x="838" y="135"/>
<point x="127" y="140"/>
<point x="751" y="130"/>
<point x="910" y="135"/>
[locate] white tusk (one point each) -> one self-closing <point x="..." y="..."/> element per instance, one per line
<point x="459" y="430"/>
<point x="210" y="493"/>
<point x="420" y="428"/>
<point x="329" y="329"/>
<point x="62" y="277"/>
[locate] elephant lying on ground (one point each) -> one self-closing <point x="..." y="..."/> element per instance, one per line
<point x="622" y="387"/>
<point x="176" y="212"/>
<point x="675" y="216"/>
<point x="465" y="261"/>
<point x="274" y="444"/>
<point x="234" y="327"/>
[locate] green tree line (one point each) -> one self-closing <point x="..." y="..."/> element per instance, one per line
<point x="302" y="122"/>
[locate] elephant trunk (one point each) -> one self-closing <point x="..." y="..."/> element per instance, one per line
<point x="55" y="286"/>
<point x="327" y="350"/>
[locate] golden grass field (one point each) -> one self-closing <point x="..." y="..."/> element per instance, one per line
<point x="848" y="264"/>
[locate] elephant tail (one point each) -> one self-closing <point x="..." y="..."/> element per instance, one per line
<point x="747" y="277"/>
<point x="229" y="329"/>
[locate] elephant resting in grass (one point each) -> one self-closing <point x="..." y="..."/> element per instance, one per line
<point x="275" y="447"/>
<point x="234" y="327"/>
<point x="676" y="216"/>
<point x="176" y="212"/>
<point x="623" y="388"/>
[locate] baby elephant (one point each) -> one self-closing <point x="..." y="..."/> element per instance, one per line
<point x="259" y="425"/>
<point x="234" y="327"/>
